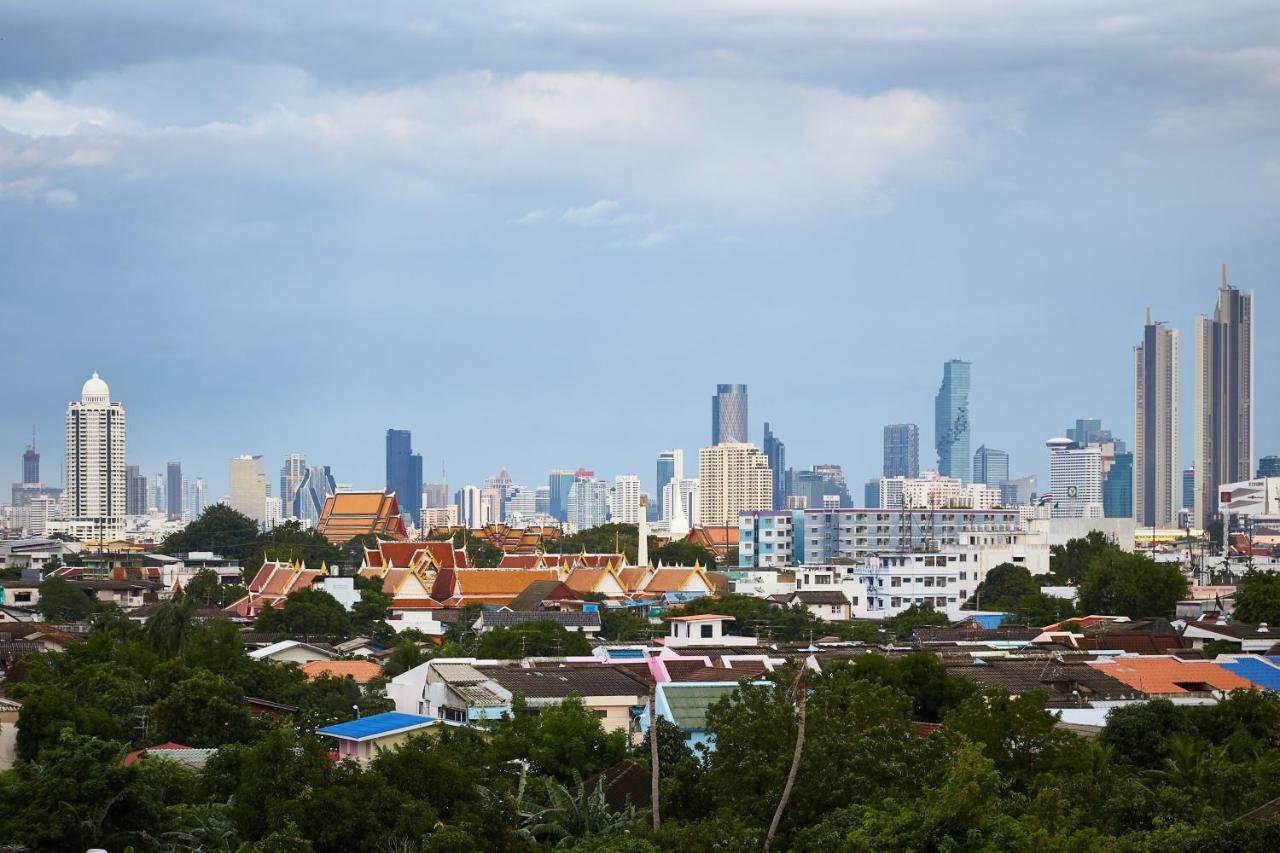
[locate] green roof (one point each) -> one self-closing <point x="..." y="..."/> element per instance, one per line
<point x="688" y="703"/>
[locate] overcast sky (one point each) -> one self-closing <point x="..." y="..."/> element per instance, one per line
<point x="539" y="233"/>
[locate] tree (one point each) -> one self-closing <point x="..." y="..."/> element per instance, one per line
<point x="308" y="613"/>
<point x="1068" y="563"/>
<point x="534" y="639"/>
<point x="749" y="613"/>
<point x="352" y="551"/>
<point x="205" y="710"/>
<point x="370" y="614"/>
<point x="574" y="815"/>
<point x="905" y="623"/>
<point x="683" y="553"/>
<point x="1140" y="734"/>
<point x="1117" y="583"/>
<point x="63" y="601"/>
<point x="561" y="740"/>
<point x="205" y="588"/>
<point x="620" y="624"/>
<point x="1037" y="608"/>
<point x="291" y="541"/>
<point x="1005" y="586"/>
<point x="219" y="529"/>
<point x="1258" y="597"/>
<point x="167" y="629"/>
<point x="672" y="748"/>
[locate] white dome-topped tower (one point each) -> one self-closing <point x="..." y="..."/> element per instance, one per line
<point x="95" y="391"/>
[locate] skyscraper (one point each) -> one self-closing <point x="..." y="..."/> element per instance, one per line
<point x="404" y="473"/>
<point x="729" y="414"/>
<point x="173" y="489"/>
<point x="1269" y="466"/>
<point x="308" y="499"/>
<point x="670" y="467"/>
<point x="625" y="506"/>
<point x="733" y="477"/>
<point x="1155" y="427"/>
<point x="776" y="452"/>
<point x="1224" y="398"/>
<point x="901" y="451"/>
<point x="588" y="501"/>
<point x="1188" y="488"/>
<point x="1075" y="479"/>
<point x="195" y="497"/>
<point x="135" y="498"/>
<point x="248" y="487"/>
<point x="436" y="494"/>
<point x="951" y="421"/>
<point x="31" y="462"/>
<point x="559" y="483"/>
<point x="291" y="474"/>
<point x="1117" y="488"/>
<point x="95" y="489"/>
<point x="990" y="466"/>
<point x="1090" y="431"/>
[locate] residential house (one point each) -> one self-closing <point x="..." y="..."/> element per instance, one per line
<point x="827" y="605"/>
<point x="291" y="651"/>
<point x="580" y="621"/>
<point x="362" y="739"/>
<point x="1249" y="638"/>
<point x="359" y="671"/>
<point x="1171" y="677"/>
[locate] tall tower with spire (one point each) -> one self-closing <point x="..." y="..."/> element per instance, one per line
<point x="31" y="462"/>
<point x="1224" y="398"/>
<point x="95" y="490"/>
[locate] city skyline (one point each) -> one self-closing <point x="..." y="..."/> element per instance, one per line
<point x="941" y="196"/>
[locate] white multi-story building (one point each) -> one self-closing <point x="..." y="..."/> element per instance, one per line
<point x="271" y="512"/>
<point x="41" y="510"/>
<point x="624" y="507"/>
<point x="471" y="507"/>
<point x="195" y="497"/>
<point x="684" y="510"/>
<point x="96" y="472"/>
<point x="887" y="584"/>
<point x="588" y="503"/>
<point x="733" y="477"/>
<point x="1075" y="479"/>
<point x="249" y="487"/>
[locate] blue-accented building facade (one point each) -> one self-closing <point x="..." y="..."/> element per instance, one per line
<point x="951" y="421"/>
<point x="404" y="473"/>
<point x="768" y="538"/>
<point x="729" y="414"/>
<point x="1117" y="487"/>
<point x="776" y="452"/>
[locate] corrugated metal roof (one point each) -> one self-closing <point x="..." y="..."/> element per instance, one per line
<point x="689" y="704"/>
<point x="376" y="726"/>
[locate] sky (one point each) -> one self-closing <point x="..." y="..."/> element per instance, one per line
<point x="537" y="234"/>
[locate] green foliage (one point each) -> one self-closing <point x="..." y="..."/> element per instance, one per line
<point x="202" y="711"/>
<point x="207" y="590"/>
<point x="306" y="614"/>
<point x="167" y="629"/>
<point x="63" y="601"/>
<point x="1258" y="597"/>
<point x="1038" y="609"/>
<point x="1068" y="563"/>
<point x="534" y="639"/>
<point x="1121" y="584"/>
<point x="370" y="614"/>
<point x="605" y="539"/>
<point x="1005" y="586"/>
<point x="574" y="814"/>
<point x="683" y="553"/>
<point x="622" y="624"/>
<point x="219" y="529"/>
<point x="672" y="749"/>
<point x="292" y="541"/>
<point x="916" y="616"/>
<point x="481" y="553"/>
<point x="559" y="741"/>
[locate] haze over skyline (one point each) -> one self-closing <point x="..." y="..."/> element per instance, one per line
<point x="538" y="235"/>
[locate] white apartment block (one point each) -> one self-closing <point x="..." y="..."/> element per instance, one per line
<point x="624" y="507"/>
<point x="734" y="477"/>
<point x="95" y="475"/>
<point x="1075" y="479"/>
<point x="888" y="584"/>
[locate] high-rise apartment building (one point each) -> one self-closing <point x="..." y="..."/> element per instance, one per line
<point x="1155" y="425"/>
<point x="670" y="467"/>
<point x="435" y="495"/>
<point x="625" y="504"/>
<point x="95" y="478"/>
<point x="173" y="489"/>
<point x="291" y="474"/>
<point x="248" y="487"/>
<point x="776" y="452"/>
<point x="195" y="497"/>
<point x="1188" y="488"/>
<point x="404" y="473"/>
<point x="588" y="502"/>
<point x="1269" y="466"/>
<point x="871" y="493"/>
<point x="1018" y="492"/>
<point x="901" y="451"/>
<point x="1224" y="398"/>
<point x="733" y="477"/>
<point x="729" y="414"/>
<point x="990" y="466"/>
<point x="1075" y="479"/>
<point x="159" y="500"/>
<point x="559" y="483"/>
<point x="542" y="500"/>
<point x="951" y="420"/>
<point x="471" y="507"/>
<point x="135" y="497"/>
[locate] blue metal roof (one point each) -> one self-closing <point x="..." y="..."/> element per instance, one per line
<point x="1262" y="674"/>
<point x="375" y="725"/>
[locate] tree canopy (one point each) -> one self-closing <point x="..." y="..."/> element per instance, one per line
<point x="1258" y="597"/>
<point x="1117" y="583"/>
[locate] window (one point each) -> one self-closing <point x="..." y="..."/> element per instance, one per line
<point x="835" y="608"/>
<point x="707" y="630"/>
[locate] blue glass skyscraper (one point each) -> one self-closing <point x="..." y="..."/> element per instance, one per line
<point x="1117" y="488"/>
<point x="951" y="421"/>
<point x="559" y="484"/>
<point x="404" y="473"/>
<point x="729" y="414"/>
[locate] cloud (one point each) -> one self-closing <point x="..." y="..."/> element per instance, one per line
<point x="38" y="190"/>
<point x="534" y="216"/>
<point x="660" y="141"/>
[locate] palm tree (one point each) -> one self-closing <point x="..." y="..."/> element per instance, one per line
<point x="573" y="815"/>
<point x="168" y="628"/>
